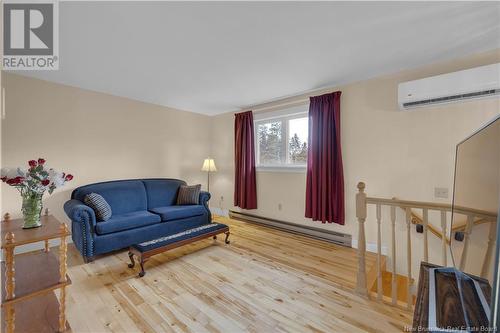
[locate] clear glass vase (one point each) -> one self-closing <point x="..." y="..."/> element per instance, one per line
<point x="32" y="210"/>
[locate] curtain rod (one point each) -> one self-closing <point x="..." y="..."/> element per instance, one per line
<point x="281" y="105"/>
<point x="303" y="100"/>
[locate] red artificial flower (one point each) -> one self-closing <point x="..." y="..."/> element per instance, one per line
<point x="68" y="177"/>
<point x="41" y="161"/>
<point x="15" y="181"/>
<point x="32" y="163"/>
<point x="45" y="182"/>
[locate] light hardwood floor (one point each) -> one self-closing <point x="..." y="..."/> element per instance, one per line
<point x="264" y="281"/>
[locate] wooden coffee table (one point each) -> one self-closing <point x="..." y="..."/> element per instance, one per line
<point x="145" y="250"/>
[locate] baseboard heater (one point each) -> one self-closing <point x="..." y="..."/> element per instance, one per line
<point x="317" y="233"/>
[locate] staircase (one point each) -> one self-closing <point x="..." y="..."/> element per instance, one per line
<point x="397" y="289"/>
<point x="401" y="292"/>
<point x="401" y="282"/>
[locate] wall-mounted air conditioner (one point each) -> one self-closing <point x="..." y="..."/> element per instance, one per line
<point x="478" y="82"/>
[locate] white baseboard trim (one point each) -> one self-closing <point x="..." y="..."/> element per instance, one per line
<point x="370" y="247"/>
<point x="219" y="211"/>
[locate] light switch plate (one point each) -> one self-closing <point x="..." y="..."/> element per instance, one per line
<point x="441" y="192"/>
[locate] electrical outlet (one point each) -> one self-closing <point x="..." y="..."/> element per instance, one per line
<point x="280" y="206"/>
<point x="441" y="192"/>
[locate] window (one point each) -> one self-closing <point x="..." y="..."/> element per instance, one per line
<point x="282" y="141"/>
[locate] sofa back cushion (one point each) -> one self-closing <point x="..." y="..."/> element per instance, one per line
<point x="162" y="192"/>
<point x="123" y="196"/>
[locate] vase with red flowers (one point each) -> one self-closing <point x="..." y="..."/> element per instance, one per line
<point x="32" y="183"/>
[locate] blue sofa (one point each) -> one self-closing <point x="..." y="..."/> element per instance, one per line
<point x="142" y="210"/>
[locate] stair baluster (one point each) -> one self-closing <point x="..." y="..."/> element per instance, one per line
<point x="425" y="220"/>
<point x="408" y="257"/>
<point x="361" y="215"/>
<point x="489" y="250"/>
<point x="379" y="255"/>
<point x="444" y="243"/>
<point x="468" y="230"/>
<point x="394" y="284"/>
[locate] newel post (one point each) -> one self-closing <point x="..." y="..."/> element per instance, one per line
<point x="361" y="215"/>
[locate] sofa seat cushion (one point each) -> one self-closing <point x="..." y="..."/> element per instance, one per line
<point x="127" y="221"/>
<point x="170" y="213"/>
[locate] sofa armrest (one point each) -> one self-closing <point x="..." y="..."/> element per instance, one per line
<point x="203" y="199"/>
<point x="82" y="226"/>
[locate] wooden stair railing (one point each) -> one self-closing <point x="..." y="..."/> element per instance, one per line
<point x="474" y="216"/>
<point x="459" y="227"/>
<point x="419" y="220"/>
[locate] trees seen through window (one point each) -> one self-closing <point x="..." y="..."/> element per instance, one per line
<point x="282" y="141"/>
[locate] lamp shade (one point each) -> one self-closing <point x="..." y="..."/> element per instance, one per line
<point x="208" y="165"/>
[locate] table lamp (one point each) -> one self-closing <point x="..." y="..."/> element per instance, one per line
<point x="208" y="166"/>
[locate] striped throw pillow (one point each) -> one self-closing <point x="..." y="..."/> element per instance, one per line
<point x="188" y="195"/>
<point x="101" y="208"/>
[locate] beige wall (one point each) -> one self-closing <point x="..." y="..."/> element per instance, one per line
<point x="96" y="137"/>
<point x="101" y="137"/>
<point x="402" y="154"/>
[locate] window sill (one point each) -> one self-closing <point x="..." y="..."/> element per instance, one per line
<point x="284" y="168"/>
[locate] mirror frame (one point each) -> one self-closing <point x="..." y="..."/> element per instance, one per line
<point x="494" y="306"/>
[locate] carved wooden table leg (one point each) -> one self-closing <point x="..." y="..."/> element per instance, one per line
<point x="47" y="249"/>
<point x="227" y="237"/>
<point x="62" y="278"/>
<point x="62" y="310"/>
<point x="132" y="262"/>
<point x="142" y="262"/>
<point x="10" y="283"/>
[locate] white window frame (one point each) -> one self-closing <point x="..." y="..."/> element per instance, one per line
<point x="284" y="116"/>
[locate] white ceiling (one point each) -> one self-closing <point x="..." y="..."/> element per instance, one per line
<point x="212" y="58"/>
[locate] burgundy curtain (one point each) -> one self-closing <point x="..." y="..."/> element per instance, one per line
<point x="245" y="188"/>
<point x="325" y="177"/>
